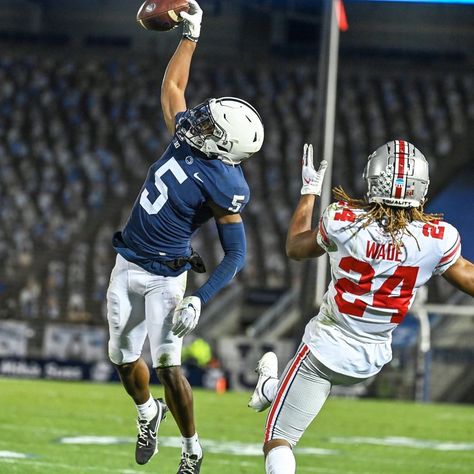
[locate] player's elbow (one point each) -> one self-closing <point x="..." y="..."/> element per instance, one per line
<point x="236" y="258"/>
<point x="294" y="256"/>
<point x="461" y="275"/>
<point x="239" y="259"/>
<point x="292" y="251"/>
<point x="467" y="285"/>
<point x="172" y="102"/>
<point x="234" y="244"/>
<point x="169" y="119"/>
<point x="241" y="263"/>
<point x="168" y="87"/>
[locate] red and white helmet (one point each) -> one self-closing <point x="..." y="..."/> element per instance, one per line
<point x="397" y="175"/>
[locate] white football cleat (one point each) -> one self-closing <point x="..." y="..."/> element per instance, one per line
<point x="267" y="368"/>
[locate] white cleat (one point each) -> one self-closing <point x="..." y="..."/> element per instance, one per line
<point x="267" y="368"/>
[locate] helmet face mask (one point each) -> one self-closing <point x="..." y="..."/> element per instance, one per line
<point x="229" y="129"/>
<point x="198" y="124"/>
<point x="397" y="175"/>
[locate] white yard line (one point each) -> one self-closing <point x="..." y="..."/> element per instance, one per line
<point x="404" y="442"/>
<point x="249" y="450"/>
<point x="236" y="448"/>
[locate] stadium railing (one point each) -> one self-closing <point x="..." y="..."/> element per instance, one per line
<point x="426" y="312"/>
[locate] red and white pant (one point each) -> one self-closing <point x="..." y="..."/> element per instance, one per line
<point x="301" y="393"/>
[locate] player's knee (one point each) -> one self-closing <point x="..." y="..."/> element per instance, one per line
<point x="169" y="376"/>
<point x="274" y="443"/>
<point x="122" y="357"/>
<point x="280" y="459"/>
<point x="115" y="356"/>
<point x="127" y="368"/>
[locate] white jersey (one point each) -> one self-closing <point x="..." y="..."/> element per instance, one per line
<point x="373" y="284"/>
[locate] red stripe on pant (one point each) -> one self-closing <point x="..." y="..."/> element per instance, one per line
<point x="290" y="375"/>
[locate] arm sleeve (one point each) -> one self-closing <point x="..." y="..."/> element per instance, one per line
<point x="451" y="243"/>
<point x="232" y="237"/>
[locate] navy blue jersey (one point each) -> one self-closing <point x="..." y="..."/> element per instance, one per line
<point x="174" y="202"/>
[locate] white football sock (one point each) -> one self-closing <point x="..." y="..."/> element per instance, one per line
<point x="269" y="388"/>
<point x="147" y="411"/>
<point x="280" y="460"/>
<point x="191" y="445"/>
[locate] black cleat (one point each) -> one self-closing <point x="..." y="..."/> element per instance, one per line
<point x="147" y="444"/>
<point x="190" y="464"/>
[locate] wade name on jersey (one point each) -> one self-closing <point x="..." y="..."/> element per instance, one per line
<point x="380" y="251"/>
<point x="373" y="284"/>
<point x="174" y="202"/>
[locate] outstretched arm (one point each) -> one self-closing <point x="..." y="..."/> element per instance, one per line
<point x="461" y="275"/>
<point x="232" y="237"/>
<point x="301" y="239"/>
<point x="176" y="75"/>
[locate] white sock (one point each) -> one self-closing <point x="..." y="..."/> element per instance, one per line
<point x="191" y="445"/>
<point x="147" y="411"/>
<point x="280" y="460"/>
<point x="269" y="388"/>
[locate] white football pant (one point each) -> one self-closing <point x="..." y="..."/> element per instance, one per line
<point x="140" y="303"/>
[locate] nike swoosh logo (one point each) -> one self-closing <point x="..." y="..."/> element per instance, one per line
<point x="196" y="175"/>
<point x="307" y="181"/>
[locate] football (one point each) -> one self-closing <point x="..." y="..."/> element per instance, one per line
<point x="161" y="15"/>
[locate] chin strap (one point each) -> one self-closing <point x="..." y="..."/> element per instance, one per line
<point x="228" y="161"/>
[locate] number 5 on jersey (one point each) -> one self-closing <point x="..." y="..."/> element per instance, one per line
<point x="154" y="207"/>
<point x="237" y="203"/>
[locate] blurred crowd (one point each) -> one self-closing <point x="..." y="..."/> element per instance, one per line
<point x="77" y="136"/>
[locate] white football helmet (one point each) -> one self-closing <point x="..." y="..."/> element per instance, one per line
<point x="397" y="175"/>
<point x="228" y="128"/>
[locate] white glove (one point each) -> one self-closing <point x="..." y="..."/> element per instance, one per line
<point x="312" y="179"/>
<point x="186" y="316"/>
<point x="192" y="21"/>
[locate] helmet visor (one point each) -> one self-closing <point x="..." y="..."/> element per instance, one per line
<point x="199" y="123"/>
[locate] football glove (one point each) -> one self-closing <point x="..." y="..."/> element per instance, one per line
<point x="312" y="179"/>
<point x="186" y="316"/>
<point x="192" y="21"/>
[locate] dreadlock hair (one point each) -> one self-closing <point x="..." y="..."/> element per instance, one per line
<point x="394" y="220"/>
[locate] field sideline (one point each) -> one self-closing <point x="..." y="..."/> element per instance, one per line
<point x="349" y="436"/>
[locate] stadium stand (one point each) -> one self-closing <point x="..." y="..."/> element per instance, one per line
<point x="78" y="134"/>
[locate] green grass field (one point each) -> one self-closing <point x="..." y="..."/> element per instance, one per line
<point x="354" y="436"/>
